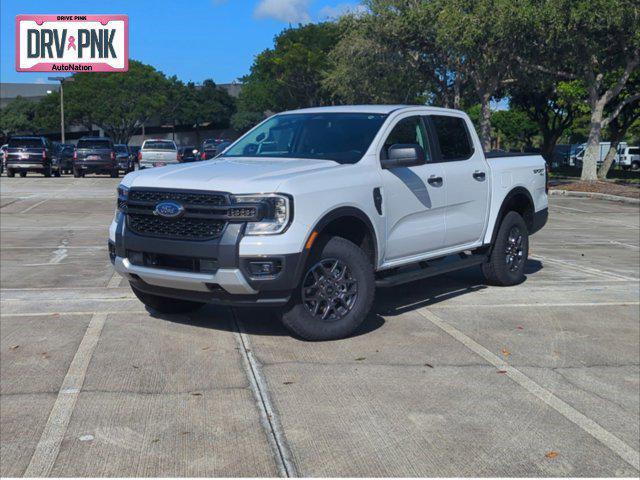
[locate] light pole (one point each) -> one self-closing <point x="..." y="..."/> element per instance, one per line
<point x="61" y="80"/>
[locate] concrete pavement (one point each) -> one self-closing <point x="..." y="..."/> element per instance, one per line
<point x="447" y="377"/>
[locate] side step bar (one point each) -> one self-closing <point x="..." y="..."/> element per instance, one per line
<point x="419" y="273"/>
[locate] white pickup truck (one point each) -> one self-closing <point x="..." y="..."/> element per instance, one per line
<point x="313" y="209"/>
<point x="158" y="153"/>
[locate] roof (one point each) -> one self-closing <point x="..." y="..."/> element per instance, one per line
<point x="380" y="109"/>
<point x="12" y="90"/>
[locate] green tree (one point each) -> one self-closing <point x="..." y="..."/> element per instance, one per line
<point x="596" y="42"/>
<point x="119" y="103"/>
<point x="289" y="75"/>
<point x="207" y="105"/>
<point x="47" y="113"/>
<point x="514" y="127"/>
<point x="553" y="107"/>
<point x="18" y="117"/>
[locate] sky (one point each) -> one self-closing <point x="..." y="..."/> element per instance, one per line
<point x="193" y="39"/>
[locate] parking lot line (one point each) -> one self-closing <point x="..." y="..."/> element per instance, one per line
<point x="28" y="209"/>
<point x="268" y="416"/>
<point x="54" y="431"/>
<point x="612" y="442"/>
<point x="114" y="281"/>
<point x="590" y="270"/>
<point x="528" y="305"/>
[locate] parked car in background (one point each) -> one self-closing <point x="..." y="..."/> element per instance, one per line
<point x="312" y="210"/>
<point x="211" y="148"/>
<point x="222" y="147"/>
<point x="31" y="154"/>
<point x="188" y="154"/>
<point x="95" y="155"/>
<point x="124" y="158"/>
<point x="158" y="153"/>
<point x="135" y="151"/>
<point x="3" y="153"/>
<point x="629" y="158"/>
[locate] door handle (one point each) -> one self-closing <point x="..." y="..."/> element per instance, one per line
<point x="435" y="181"/>
<point x="479" y="175"/>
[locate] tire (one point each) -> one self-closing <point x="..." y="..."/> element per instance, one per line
<point x="165" y="304"/>
<point x="76" y="173"/>
<point x="47" y="171"/>
<point x="635" y="166"/>
<point x="11" y="173"/>
<point x="58" y="172"/>
<point x="345" y="319"/>
<point x="23" y="174"/>
<point x="506" y="268"/>
<point x="115" y="173"/>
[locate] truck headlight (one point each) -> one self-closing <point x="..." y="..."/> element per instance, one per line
<point x="123" y="196"/>
<point x="277" y="216"/>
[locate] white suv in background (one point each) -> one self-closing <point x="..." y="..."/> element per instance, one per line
<point x="629" y="158"/>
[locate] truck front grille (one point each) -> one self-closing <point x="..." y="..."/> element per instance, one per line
<point x="203" y="217"/>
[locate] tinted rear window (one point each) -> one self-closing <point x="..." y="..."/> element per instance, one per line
<point x="25" y="143"/>
<point x="121" y="148"/>
<point x="159" y="145"/>
<point x="94" y="143"/>
<point x="453" y="137"/>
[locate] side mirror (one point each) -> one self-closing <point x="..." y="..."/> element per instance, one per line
<point x="404" y="155"/>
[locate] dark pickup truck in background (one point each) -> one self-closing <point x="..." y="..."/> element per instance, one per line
<point x="31" y="154"/>
<point x="95" y="155"/>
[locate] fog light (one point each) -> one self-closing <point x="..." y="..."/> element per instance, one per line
<point x="265" y="268"/>
<point x="208" y="266"/>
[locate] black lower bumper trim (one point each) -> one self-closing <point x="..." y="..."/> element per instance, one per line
<point x="216" y="296"/>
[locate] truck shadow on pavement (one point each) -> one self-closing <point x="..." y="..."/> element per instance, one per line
<point x="389" y="302"/>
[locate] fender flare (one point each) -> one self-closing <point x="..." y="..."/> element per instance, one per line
<point x="341" y="212"/>
<point x="502" y="212"/>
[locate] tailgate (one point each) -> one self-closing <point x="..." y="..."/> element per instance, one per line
<point x="160" y="156"/>
<point x="24" y="155"/>
<point x="94" y="155"/>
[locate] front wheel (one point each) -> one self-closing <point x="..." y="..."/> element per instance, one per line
<point x="165" y="304"/>
<point x="509" y="254"/>
<point x="335" y="295"/>
<point x="11" y="173"/>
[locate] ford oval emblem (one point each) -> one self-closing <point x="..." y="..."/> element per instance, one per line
<point x="168" y="209"/>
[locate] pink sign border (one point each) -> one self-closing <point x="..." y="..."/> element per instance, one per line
<point x="96" y="67"/>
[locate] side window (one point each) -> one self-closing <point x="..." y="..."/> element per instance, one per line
<point x="453" y="137"/>
<point x="408" y="130"/>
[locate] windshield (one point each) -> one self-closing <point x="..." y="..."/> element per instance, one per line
<point x="341" y="137"/>
<point x="94" y="143"/>
<point x="159" y="145"/>
<point x="25" y="143"/>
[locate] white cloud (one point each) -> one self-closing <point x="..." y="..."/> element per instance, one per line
<point x="288" y="11"/>
<point x="339" y="10"/>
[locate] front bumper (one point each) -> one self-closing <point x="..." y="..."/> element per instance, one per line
<point x="231" y="283"/>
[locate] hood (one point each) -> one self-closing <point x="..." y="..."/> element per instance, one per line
<point x="234" y="175"/>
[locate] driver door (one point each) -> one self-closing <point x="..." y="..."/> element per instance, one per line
<point x="414" y="197"/>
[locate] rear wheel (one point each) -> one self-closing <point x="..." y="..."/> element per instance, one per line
<point x="23" y="174"/>
<point x="76" y="172"/>
<point x="58" y="172"/>
<point x="635" y="166"/>
<point x="47" y="171"/>
<point x="510" y="252"/>
<point x="11" y="173"/>
<point x="336" y="293"/>
<point x="165" y="304"/>
<point x="115" y="173"/>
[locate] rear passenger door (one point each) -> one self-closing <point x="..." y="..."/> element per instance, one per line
<point x="466" y="177"/>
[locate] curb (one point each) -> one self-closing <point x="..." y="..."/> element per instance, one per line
<point x="602" y="196"/>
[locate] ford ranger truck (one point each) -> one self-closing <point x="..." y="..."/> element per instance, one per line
<point x="158" y="153"/>
<point x="312" y="210"/>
